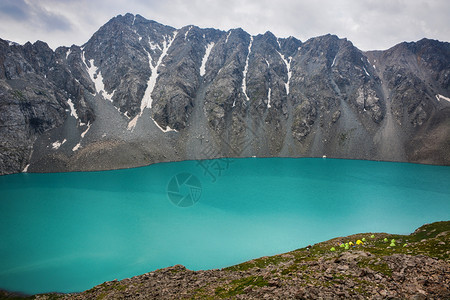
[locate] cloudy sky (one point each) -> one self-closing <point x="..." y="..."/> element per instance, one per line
<point x="369" y="24"/>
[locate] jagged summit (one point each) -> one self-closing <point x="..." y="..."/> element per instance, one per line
<point x="139" y="92"/>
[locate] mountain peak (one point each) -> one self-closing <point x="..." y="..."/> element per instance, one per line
<point x="152" y="93"/>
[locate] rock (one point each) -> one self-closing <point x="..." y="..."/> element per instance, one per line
<point x="336" y="116"/>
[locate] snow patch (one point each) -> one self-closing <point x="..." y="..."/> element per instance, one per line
<point x="134" y="19"/>
<point x="279" y="44"/>
<point x="10" y="43"/>
<point x="25" y="169"/>
<point x="140" y="38"/>
<point x="205" y="58"/>
<point x="244" y="79"/>
<point x="334" y="61"/>
<point x="440" y="97"/>
<point x="268" y="98"/>
<point x="77" y="146"/>
<point x="187" y="32"/>
<point x="168" y="129"/>
<point x="154" y="46"/>
<point x="84" y="132"/>
<point x="374" y="67"/>
<point x="73" y="111"/>
<point x="366" y="71"/>
<point x="268" y="65"/>
<point x="228" y="35"/>
<point x="133" y="122"/>
<point x="287" y="62"/>
<point x="57" y="144"/>
<point x="68" y="53"/>
<point x="147" y="100"/>
<point x="97" y="78"/>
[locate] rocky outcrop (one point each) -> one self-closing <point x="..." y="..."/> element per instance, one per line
<point x="168" y="94"/>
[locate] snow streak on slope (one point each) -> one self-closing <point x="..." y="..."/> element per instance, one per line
<point x="268" y="98"/>
<point x="366" y="71"/>
<point x="244" y="79"/>
<point x="228" y="35"/>
<point x="168" y="129"/>
<point x="97" y="78"/>
<point x="334" y="61"/>
<point x="57" y="144"/>
<point x="205" y="58"/>
<point x="440" y="97"/>
<point x="187" y="32"/>
<point x="287" y="62"/>
<point x="147" y="99"/>
<point x="77" y="146"/>
<point x="73" y="112"/>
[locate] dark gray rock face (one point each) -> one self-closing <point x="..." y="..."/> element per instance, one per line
<point x="139" y="92"/>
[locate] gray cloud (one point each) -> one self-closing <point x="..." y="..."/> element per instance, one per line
<point x="13" y="9"/>
<point x="369" y="24"/>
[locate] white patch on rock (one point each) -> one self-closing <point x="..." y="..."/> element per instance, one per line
<point x="205" y="58"/>
<point x="84" y="132"/>
<point x="25" y="170"/>
<point x="228" y="35"/>
<point x="97" y="79"/>
<point x="147" y="100"/>
<point x="268" y="98"/>
<point x="168" y="129"/>
<point x="187" y="32"/>
<point x="287" y="62"/>
<point x="154" y="46"/>
<point x="334" y="61"/>
<point x="244" y="74"/>
<point x="366" y="71"/>
<point x="73" y="111"/>
<point x="133" y="122"/>
<point x="68" y="53"/>
<point x="440" y="97"/>
<point x="57" y="144"/>
<point x="77" y="146"/>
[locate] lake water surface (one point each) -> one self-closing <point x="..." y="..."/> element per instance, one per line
<point x="67" y="232"/>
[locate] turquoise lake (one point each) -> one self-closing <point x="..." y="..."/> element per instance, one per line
<point x="67" y="232"/>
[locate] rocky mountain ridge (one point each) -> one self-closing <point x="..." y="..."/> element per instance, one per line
<point x="139" y="92"/>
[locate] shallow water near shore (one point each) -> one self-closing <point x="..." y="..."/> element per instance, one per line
<point x="68" y="232"/>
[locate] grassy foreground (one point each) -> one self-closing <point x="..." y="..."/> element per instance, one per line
<point x="366" y="265"/>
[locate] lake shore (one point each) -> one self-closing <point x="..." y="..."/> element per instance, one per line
<point x="382" y="266"/>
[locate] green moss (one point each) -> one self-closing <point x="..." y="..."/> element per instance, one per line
<point x="430" y="231"/>
<point x="18" y="95"/>
<point x="237" y="286"/>
<point x="258" y="263"/>
<point x="377" y="266"/>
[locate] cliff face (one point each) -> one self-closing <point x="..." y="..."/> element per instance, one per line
<point x="139" y="92"/>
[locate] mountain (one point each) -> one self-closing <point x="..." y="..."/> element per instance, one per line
<point x="139" y="92"/>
